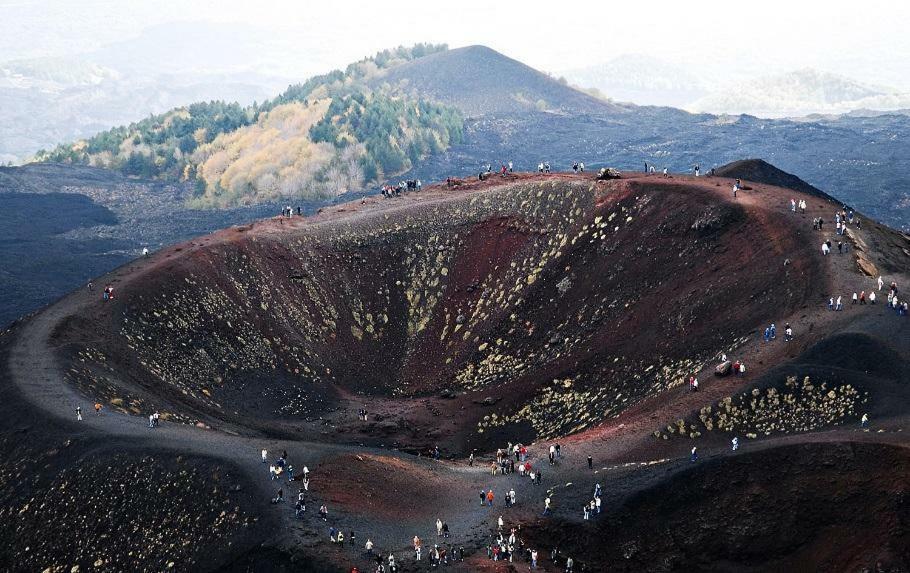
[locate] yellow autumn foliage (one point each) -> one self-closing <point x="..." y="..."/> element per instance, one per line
<point x="269" y="160"/>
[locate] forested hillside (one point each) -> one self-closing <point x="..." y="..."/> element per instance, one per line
<point x="328" y="135"/>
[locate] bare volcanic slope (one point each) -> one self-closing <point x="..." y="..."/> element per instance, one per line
<point x="479" y="80"/>
<point x="532" y="306"/>
<point x="760" y="171"/>
<point x="806" y="507"/>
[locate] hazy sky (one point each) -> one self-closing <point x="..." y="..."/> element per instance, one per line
<point x="865" y="40"/>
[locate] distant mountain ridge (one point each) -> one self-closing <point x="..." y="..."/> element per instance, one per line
<point x="641" y="79"/>
<point x="478" y="81"/>
<point x="799" y="93"/>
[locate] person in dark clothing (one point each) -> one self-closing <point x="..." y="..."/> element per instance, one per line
<point x="590" y="463"/>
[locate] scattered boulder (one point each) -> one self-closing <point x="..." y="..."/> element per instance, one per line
<point x="723" y="369"/>
<point x="867" y="267"/>
<point x="607" y="173"/>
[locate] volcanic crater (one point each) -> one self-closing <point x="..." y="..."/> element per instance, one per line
<point x="562" y="299"/>
<point x="530" y="308"/>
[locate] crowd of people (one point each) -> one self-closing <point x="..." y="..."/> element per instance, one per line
<point x="287" y="212"/>
<point x="836" y="304"/>
<point x="842" y="219"/>
<point x="396" y="189"/>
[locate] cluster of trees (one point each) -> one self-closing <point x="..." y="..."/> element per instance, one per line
<point x="159" y="145"/>
<point x="328" y="134"/>
<point x="321" y="148"/>
<point x="339" y="83"/>
<point x="395" y="132"/>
